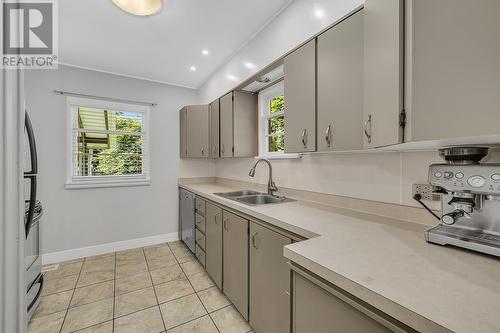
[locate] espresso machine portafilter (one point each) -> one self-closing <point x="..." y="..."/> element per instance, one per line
<point x="470" y="200"/>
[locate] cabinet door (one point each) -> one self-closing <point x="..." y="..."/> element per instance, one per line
<point x="316" y="310"/>
<point x="183" y="132"/>
<point x="213" y="247"/>
<point x="340" y="86"/>
<point x="300" y="99"/>
<point x="456" y="68"/>
<point x="235" y="276"/>
<point x="269" y="281"/>
<point x="197" y="129"/>
<point x="383" y="90"/>
<point x="245" y="124"/>
<point x="226" y="126"/>
<point x="214" y="129"/>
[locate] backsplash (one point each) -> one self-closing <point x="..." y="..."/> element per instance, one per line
<point x="384" y="177"/>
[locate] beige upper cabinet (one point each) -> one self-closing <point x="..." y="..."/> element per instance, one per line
<point x="226" y="125"/>
<point x="456" y="68"/>
<point x="245" y="124"/>
<point x="183" y="132"/>
<point x="340" y="86"/>
<point x="269" y="281"/>
<point x="197" y="131"/>
<point x="214" y="128"/>
<point x="383" y="72"/>
<point x="235" y="261"/>
<point x="238" y="124"/>
<point x="300" y="99"/>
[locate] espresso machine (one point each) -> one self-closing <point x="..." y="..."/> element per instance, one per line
<point x="470" y="200"/>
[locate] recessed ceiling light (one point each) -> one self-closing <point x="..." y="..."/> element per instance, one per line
<point x="249" y="65"/>
<point x="193" y="68"/>
<point x="319" y="12"/>
<point x="231" y="77"/>
<point x="204" y="52"/>
<point x="139" y="7"/>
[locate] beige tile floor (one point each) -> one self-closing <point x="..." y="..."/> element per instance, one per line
<point x="160" y="288"/>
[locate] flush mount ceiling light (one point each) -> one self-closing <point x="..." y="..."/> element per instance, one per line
<point x="263" y="79"/>
<point x="139" y="7"/>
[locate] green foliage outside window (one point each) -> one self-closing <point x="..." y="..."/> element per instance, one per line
<point x="277" y="125"/>
<point x="125" y="155"/>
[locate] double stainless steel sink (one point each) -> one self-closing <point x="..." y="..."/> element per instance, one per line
<point x="254" y="198"/>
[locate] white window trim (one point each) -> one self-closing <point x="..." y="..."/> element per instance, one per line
<point x="265" y="97"/>
<point x="82" y="182"/>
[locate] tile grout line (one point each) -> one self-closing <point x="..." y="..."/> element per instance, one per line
<point x="72" y="295"/>
<point x="195" y="292"/>
<point x="114" y="299"/>
<point x="177" y="260"/>
<point x="153" y="286"/>
<point x="198" y="296"/>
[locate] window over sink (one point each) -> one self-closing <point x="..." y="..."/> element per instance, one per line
<point x="272" y="121"/>
<point x="108" y="144"/>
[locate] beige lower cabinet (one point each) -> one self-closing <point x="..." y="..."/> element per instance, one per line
<point x="213" y="243"/>
<point x="321" y="308"/>
<point x="235" y="261"/>
<point x="269" y="281"/>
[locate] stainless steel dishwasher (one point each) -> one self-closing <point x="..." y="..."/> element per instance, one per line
<point x="187" y="218"/>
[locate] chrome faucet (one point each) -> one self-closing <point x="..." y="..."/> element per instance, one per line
<point x="271" y="186"/>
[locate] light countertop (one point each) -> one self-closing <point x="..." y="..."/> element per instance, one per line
<point x="385" y="262"/>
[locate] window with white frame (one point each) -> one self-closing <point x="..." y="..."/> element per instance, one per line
<point x="272" y="121"/>
<point x="108" y="144"/>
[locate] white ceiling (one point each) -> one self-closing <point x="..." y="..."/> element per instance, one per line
<point x="96" y="34"/>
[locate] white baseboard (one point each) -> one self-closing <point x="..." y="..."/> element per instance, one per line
<point x="55" y="257"/>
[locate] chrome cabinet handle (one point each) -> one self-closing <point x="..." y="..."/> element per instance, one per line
<point x="368" y="134"/>
<point x="216" y="215"/>
<point x="304" y="137"/>
<point x="223" y="150"/>
<point x="225" y="224"/>
<point x="215" y="150"/>
<point x="202" y="150"/>
<point x="254" y="244"/>
<point x="287" y="293"/>
<point x="328" y="135"/>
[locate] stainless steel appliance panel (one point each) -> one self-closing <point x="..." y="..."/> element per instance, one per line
<point x="187" y="218"/>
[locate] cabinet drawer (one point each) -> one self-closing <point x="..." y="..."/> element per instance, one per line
<point x="200" y="254"/>
<point x="201" y="240"/>
<point x="200" y="222"/>
<point x="200" y="205"/>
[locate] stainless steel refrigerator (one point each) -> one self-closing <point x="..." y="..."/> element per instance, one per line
<point x="13" y="314"/>
<point x="32" y="220"/>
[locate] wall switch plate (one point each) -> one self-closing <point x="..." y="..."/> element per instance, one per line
<point x="425" y="190"/>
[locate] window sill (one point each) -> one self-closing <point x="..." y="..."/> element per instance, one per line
<point x="107" y="183"/>
<point x="280" y="156"/>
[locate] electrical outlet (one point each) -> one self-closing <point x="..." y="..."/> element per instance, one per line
<point x="425" y="190"/>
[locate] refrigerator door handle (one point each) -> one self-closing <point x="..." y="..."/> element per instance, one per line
<point x="32" y="144"/>
<point x="31" y="210"/>
<point x="38" y="293"/>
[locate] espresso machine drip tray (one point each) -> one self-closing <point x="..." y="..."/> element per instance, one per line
<point x="475" y="240"/>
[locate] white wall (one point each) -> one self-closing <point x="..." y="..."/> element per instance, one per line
<point x="386" y="177"/>
<point x="88" y="217"/>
